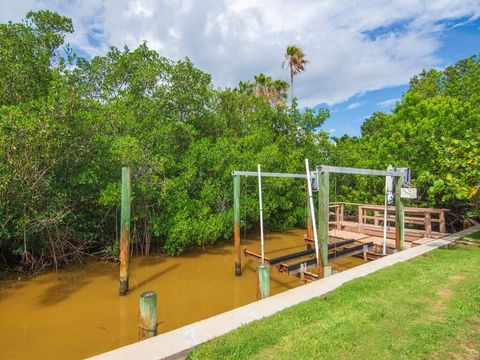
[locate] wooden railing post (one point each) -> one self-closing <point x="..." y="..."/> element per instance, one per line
<point x="360" y="218"/>
<point x="442" y="221"/>
<point x="338" y="223"/>
<point x="428" y="224"/>
<point x="125" y="231"/>
<point x="236" y="224"/>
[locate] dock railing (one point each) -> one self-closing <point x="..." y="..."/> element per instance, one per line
<point x="419" y="222"/>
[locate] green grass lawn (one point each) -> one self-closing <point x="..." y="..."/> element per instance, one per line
<point x="474" y="237"/>
<point x="426" y="308"/>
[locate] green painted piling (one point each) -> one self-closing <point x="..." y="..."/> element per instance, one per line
<point x="125" y="231"/>
<point x="236" y="224"/>
<point x="263" y="281"/>
<point x="323" y="217"/>
<point x="399" y="216"/>
<point x="147" y="319"/>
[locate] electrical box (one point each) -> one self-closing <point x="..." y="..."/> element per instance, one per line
<point x="408" y="193"/>
<point x="314" y="180"/>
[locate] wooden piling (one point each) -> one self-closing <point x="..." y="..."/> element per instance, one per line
<point x="263" y="281"/>
<point x="236" y="224"/>
<point x="125" y="231"/>
<point x="323" y="218"/>
<point x="399" y="216"/>
<point x="147" y="319"/>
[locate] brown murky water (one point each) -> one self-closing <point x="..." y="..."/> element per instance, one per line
<point x="77" y="312"/>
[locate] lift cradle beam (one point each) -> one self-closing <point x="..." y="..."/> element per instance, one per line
<point x="299" y="254"/>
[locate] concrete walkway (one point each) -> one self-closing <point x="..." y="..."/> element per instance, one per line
<point x="178" y="343"/>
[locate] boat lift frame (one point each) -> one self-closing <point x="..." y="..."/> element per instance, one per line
<point x="320" y="183"/>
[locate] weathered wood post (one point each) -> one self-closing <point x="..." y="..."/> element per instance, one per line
<point x="323" y="219"/>
<point x="399" y="215"/>
<point x="147" y="319"/>
<point x="360" y="218"/>
<point x="236" y="224"/>
<point x="442" y="221"/>
<point x="263" y="281"/>
<point x="428" y="224"/>
<point x="125" y="231"/>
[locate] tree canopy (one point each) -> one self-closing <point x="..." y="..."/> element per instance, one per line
<point x="68" y="125"/>
<point x="66" y="131"/>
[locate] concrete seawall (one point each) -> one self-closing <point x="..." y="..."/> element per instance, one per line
<point x="178" y="343"/>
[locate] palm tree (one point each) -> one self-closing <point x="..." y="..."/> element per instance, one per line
<point x="275" y="91"/>
<point x="295" y="60"/>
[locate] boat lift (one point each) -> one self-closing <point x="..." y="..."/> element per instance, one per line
<point x="319" y="180"/>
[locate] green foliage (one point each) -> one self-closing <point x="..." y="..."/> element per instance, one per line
<point x="67" y="131"/>
<point x="434" y="130"/>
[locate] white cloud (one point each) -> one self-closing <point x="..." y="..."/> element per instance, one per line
<point x="355" y="105"/>
<point x="387" y="103"/>
<point x="236" y="39"/>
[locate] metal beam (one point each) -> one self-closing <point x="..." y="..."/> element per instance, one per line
<point x="269" y="174"/>
<point x="357" y="171"/>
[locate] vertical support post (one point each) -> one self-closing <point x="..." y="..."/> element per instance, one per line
<point x="236" y="224"/>
<point x="323" y="217"/>
<point x="263" y="281"/>
<point x="342" y="212"/>
<point x="260" y="204"/>
<point x="125" y="231"/>
<point x="442" y="221"/>
<point x="428" y="224"/>
<point x="365" y="252"/>
<point x="147" y="319"/>
<point x="338" y="210"/>
<point x="399" y="216"/>
<point x="360" y="218"/>
<point x="312" y="208"/>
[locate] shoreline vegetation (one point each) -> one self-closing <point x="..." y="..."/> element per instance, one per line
<point x="426" y="308"/>
<point x="68" y="124"/>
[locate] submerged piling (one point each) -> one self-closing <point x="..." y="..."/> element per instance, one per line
<point x="125" y="231"/>
<point x="147" y="319"/>
<point x="263" y="281"/>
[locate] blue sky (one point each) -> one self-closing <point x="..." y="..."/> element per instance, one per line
<point x="361" y="53"/>
<point x="459" y="40"/>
